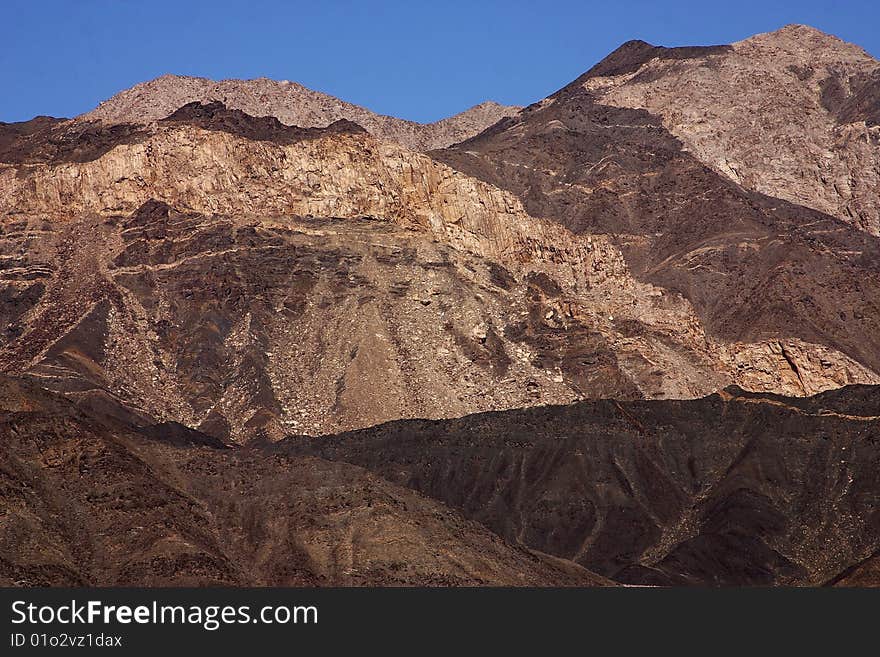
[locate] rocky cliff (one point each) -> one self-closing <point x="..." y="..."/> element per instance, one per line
<point x="317" y="281"/>
<point x="754" y="267"/>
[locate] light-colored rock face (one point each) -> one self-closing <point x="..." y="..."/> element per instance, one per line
<point x="759" y="113"/>
<point x="292" y="104"/>
<point x="451" y="300"/>
<point x="211" y="172"/>
<point x="793" y="367"/>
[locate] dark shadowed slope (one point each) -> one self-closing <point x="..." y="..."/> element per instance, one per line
<point x="87" y="501"/>
<point x="791" y="114"/>
<point x="45" y="139"/>
<point x="731" y="489"/>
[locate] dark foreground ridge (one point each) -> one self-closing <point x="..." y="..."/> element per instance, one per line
<point x="731" y="489"/>
<point x="88" y="499"/>
<point x="734" y="488"/>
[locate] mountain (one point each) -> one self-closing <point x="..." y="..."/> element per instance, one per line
<point x="95" y="501"/>
<point x="793" y="114"/>
<point x="732" y="489"/>
<point x="290" y="103"/>
<point x="752" y="265"/>
<point x="241" y="276"/>
<point x="629" y="332"/>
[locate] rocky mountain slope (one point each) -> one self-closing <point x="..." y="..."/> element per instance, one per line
<point x="292" y="104"/>
<point x="93" y="501"/>
<point x="753" y="266"/>
<point x="731" y="489"/>
<point x="228" y="309"/>
<point x="245" y="277"/>
<point x="793" y="114"/>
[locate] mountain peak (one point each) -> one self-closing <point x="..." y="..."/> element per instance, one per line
<point x="292" y="104"/>
<point x="631" y="55"/>
<point x="800" y="29"/>
<point x="808" y="42"/>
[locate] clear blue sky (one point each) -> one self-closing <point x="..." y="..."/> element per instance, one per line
<point x="416" y="60"/>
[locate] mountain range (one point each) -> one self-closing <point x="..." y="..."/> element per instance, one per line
<point x="629" y="334"/>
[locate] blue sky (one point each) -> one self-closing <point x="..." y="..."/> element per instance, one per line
<point x="416" y="60"/>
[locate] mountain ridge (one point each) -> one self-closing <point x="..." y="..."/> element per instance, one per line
<point x="731" y="489"/>
<point x="292" y="104"/>
<point x="788" y="113"/>
<point x="94" y="501"/>
<point x="753" y="265"/>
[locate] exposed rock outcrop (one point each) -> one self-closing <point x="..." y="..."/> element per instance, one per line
<point x="756" y="269"/>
